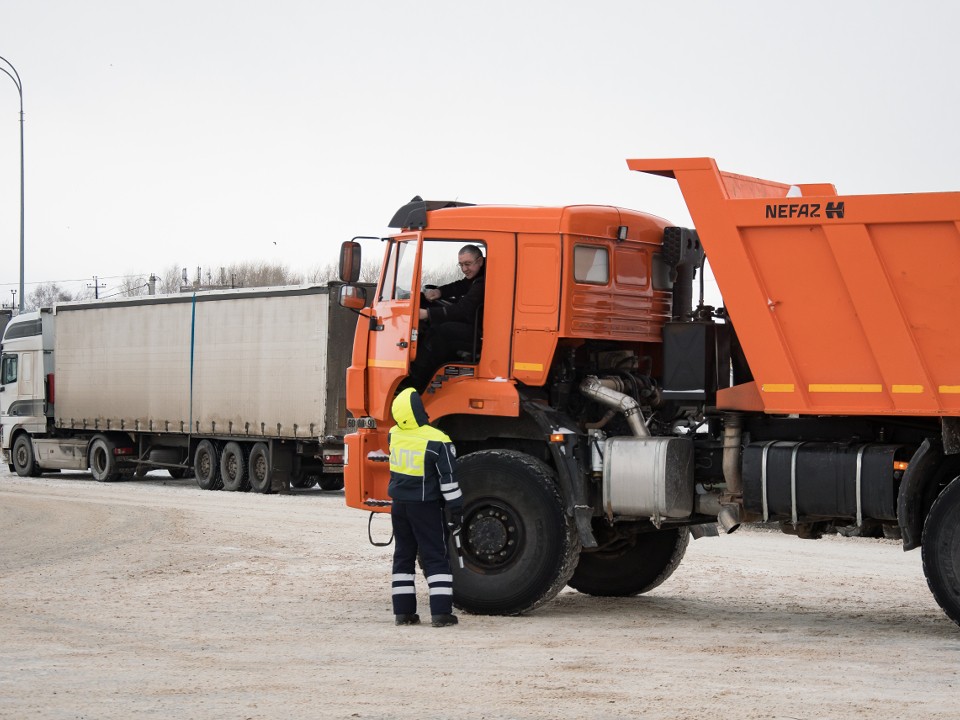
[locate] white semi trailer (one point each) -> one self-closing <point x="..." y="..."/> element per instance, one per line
<point x="243" y="388"/>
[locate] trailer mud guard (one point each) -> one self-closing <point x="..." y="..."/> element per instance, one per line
<point x="572" y="484"/>
<point x="915" y="490"/>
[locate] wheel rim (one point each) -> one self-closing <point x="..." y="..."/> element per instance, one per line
<point x="231" y="466"/>
<point x="20" y="457"/>
<point x="204" y="465"/>
<point x="259" y="468"/>
<point x="494" y="535"/>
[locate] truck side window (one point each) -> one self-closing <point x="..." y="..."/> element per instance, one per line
<point x="591" y="264"/>
<point x="398" y="274"/>
<point x="8" y="371"/>
<point x="406" y="256"/>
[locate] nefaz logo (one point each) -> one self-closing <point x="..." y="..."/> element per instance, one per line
<point x="833" y="210"/>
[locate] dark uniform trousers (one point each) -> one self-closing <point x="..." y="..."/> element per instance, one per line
<point x="420" y="526"/>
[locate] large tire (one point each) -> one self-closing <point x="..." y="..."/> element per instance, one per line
<point x="24" y="461"/>
<point x="233" y="468"/>
<point x="206" y="465"/>
<point x="637" y="565"/>
<point x="331" y="482"/>
<point x="519" y="545"/>
<point x="303" y="481"/>
<point x="940" y="547"/>
<point x="103" y="463"/>
<point x="261" y="479"/>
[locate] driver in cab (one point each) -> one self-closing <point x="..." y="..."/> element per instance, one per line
<point x="449" y="325"/>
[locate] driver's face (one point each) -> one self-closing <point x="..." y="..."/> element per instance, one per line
<point x="469" y="265"/>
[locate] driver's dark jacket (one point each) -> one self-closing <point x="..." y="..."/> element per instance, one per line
<point x="466" y="296"/>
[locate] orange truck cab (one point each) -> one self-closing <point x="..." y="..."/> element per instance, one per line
<point x="602" y="418"/>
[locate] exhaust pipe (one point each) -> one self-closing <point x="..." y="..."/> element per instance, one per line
<point x="607" y="392"/>
<point x="728" y="516"/>
<point x="732" y="433"/>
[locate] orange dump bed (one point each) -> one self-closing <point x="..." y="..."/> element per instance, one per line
<point x="843" y="303"/>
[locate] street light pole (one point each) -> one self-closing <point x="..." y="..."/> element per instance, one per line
<point x="15" y="76"/>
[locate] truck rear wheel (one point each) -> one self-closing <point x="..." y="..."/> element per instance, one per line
<point x="331" y="482"/>
<point x="637" y="565"/>
<point x="206" y="465"/>
<point x="233" y="468"/>
<point x="303" y="481"/>
<point x="260" y="477"/>
<point x="519" y="545"/>
<point x="103" y="463"/>
<point x="24" y="461"/>
<point x="940" y="547"/>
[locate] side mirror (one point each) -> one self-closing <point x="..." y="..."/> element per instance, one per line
<point x="350" y="262"/>
<point x="353" y="297"/>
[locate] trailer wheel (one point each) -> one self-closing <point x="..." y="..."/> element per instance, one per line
<point x="103" y="463"/>
<point x="940" y="547"/>
<point x="303" y="481"/>
<point x="260" y="477"/>
<point x="636" y="566"/>
<point x="24" y="461"/>
<point x="233" y="468"/>
<point x="331" y="482"/>
<point x="519" y="545"/>
<point x="206" y="465"/>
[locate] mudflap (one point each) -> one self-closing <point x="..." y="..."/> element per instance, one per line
<point x="366" y="473"/>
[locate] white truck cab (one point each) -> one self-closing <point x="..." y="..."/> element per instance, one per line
<point x="25" y="366"/>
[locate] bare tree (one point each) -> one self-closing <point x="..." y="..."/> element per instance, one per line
<point x="131" y="286"/>
<point x="440" y="276"/>
<point x="170" y="280"/>
<point x="259" y="274"/>
<point x="323" y="274"/>
<point x="45" y="295"/>
<point x="369" y="271"/>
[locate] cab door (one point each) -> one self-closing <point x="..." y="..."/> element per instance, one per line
<point x="8" y="385"/>
<point x="391" y="337"/>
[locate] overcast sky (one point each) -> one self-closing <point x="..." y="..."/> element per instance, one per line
<point x="199" y="133"/>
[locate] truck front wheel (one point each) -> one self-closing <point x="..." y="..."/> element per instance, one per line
<point x="632" y="566"/>
<point x="519" y="546"/>
<point x="940" y="547"/>
<point x="206" y="465"/>
<point x="23" y="460"/>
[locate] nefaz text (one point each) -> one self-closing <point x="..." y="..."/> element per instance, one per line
<point x="804" y="210"/>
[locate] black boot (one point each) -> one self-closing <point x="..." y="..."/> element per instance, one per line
<point x="408" y="619"/>
<point x="444" y="620"/>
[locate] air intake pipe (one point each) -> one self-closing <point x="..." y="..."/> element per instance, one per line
<point x="608" y="391"/>
<point x="683" y="254"/>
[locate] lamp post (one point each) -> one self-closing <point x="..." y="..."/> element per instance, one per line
<point x="15" y="76"/>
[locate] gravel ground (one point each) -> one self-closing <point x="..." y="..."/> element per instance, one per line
<point x="151" y="598"/>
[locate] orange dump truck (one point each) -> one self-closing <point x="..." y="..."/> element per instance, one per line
<point x="601" y="417"/>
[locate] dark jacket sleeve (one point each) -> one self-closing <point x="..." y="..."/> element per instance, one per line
<point x="465" y="309"/>
<point x="449" y="487"/>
